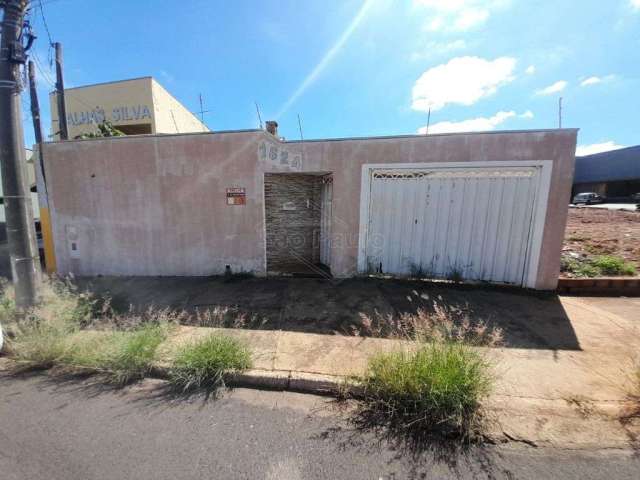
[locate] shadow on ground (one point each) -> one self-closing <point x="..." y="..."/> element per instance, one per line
<point x="84" y="405"/>
<point x="528" y="319"/>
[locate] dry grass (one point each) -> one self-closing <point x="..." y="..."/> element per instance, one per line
<point x="221" y="316"/>
<point x="440" y="323"/>
<point x="632" y="410"/>
<point x="56" y="332"/>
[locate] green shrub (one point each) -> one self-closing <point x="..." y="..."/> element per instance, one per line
<point x="601" y="265"/>
<point x="437" y="389"/>
<point x="205" y="362"/>
<point x="612" y="265"/>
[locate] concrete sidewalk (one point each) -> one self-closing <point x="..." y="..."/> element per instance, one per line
<point x="599" y="371"/>
<point x="568" y="397"/>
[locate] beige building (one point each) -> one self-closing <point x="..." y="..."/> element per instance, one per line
<point x="136" y="106"/>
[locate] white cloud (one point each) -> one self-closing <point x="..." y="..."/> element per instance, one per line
<point x="458" y="15"/>
<point x="432" y="49"/>
<point x="531" y="69"/>
<point x="597" y="148"/>
<point x="595" y="80"/>
<point x="559" y="86"/>
<point x="635" y="4"/>
<point x="479" y="124"/>
<point x="463" y="80"/>
<point x="469" y="18"/>
<point x="590" y="81"/>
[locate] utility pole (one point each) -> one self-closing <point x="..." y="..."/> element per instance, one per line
<point x="17" y="200"/>
<point x="35" y="105"/>
<point x="62" y="109"/>
<point x="560" y="112"/>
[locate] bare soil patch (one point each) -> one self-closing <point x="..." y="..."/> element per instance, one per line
<point x="591" y="232"/>
<point x="342" y="306"/>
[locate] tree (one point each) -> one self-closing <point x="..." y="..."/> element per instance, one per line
<point x="105" y="129"/>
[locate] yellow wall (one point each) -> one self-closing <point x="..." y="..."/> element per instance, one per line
<point x="170" y="115"/>
<point x="141" y="101"/>
<point x="128" y="102"/>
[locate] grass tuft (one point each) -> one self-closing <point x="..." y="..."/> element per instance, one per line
<point x="55" y="333"/>
<point x="205" y="362"/>
<point x="121" y="356"/>
<point x="437" y="389"/>
<point x="39" y="338"/>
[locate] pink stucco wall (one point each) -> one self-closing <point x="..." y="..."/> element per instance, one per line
<point x="156" y="205"/>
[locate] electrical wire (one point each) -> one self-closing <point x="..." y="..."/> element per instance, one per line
<point x="44" y="22"/>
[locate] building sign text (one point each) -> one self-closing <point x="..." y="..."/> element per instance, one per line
<point x="116" y="115"/>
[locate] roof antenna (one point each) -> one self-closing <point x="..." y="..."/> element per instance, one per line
<point x="301" y="137"/>
<point x="560" y="112"/>
<point x="426" y="132"/>
<point x="202" y="110"/>
<point x="300" y="128"/>
<point x="258" y="112"/>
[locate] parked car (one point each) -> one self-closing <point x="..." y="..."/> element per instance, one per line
<point x="588" y="198"/>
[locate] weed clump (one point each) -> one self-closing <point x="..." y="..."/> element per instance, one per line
<point x="55" y="332"/>
<point x="206" y="362"/>
<point x="120" y="356"/>
<point x="41" y="336"/>
<point x="439" y="323"/>
<point x="612" y="265"/>
<point x="600" y="265"/>
<point x="437" y="389"/>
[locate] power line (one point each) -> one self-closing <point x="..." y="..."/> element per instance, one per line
<point x="42" y="70"/>
<point x="48" y="79"/>
<point x="44" y="22"/>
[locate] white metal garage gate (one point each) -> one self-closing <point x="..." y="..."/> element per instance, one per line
<point x="481" y="222"/>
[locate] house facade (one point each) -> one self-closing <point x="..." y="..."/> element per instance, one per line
<point x="472" y="206"/>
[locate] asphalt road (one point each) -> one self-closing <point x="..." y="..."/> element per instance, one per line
<point x="50" y="429"/>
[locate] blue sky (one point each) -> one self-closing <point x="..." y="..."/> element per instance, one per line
<point x="374" y="67"/>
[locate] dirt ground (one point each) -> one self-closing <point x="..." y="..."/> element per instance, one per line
<point x="528" y="319"/>
<point x="592" y="231"/>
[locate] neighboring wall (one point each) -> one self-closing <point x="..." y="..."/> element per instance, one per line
<point x="126" y="102"/>
<point x="156" y="205"/>
<point x="170" y="115"/>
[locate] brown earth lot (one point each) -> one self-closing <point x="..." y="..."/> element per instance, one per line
<point x="593" y="231"/>
<point x="528" y="319"/>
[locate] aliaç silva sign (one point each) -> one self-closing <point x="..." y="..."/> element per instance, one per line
<point x="236" y="196"/>
<point x="98" y="115"/>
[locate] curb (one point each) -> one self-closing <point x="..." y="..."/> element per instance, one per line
<point x="280" y="380"/>
<point x="613" y="286"/>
